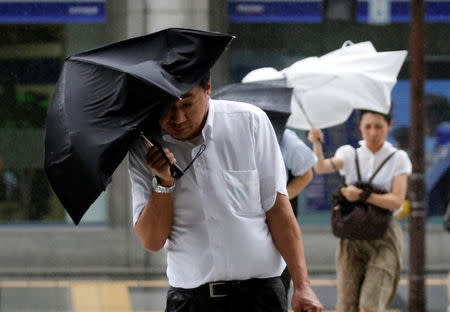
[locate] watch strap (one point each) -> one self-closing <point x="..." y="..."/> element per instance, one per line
<point x="158" y="188"/>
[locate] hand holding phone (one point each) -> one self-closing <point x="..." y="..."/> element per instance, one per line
<point x="175" y="170"/>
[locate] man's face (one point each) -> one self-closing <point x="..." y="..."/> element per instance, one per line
<point x="187" y="118"/>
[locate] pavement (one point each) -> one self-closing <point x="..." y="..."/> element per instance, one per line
<point x="103" y="295"/>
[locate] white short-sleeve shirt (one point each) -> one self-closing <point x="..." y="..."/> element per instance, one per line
<point x="219" y="229"/>
<point x="297" y="156"/>
<point x="369" y="162"/>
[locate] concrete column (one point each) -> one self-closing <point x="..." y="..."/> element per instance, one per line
<point x="116" y="18"/>
<point x="136" y="18"/>
<point x="218" y="21"/>
<point x="177" y="13"/>
<point x="124" y="19"/>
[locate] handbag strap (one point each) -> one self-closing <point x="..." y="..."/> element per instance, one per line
<point x="376" y="171"/>
<point x="337" y="170"/>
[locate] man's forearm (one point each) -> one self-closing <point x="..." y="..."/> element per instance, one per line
<point x="290" y="245"/>
<point x="287" y="237"/>
<point x="155" y="223"/>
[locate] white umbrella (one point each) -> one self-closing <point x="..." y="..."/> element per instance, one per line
<point x="328" y="88"/>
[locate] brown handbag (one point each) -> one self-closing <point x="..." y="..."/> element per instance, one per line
<point x="360" y="220"/>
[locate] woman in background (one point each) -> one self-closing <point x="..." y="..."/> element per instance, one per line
<point x="368" y="272"/>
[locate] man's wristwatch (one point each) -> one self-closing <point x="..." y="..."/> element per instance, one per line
<point x="158" y="188"/>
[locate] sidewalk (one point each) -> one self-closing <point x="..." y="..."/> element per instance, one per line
<point x="149" y="295"/>
<point x="448" y="292"/>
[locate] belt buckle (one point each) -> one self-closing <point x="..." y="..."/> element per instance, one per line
<point x="211" y="290"/>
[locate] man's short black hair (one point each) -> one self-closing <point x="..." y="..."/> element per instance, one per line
<point x="205" y="80"/>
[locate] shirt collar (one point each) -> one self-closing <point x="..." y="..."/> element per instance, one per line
<point x="386" y="148"/>
<point x="207" y="131"/>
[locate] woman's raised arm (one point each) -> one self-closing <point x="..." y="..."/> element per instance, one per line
<point x="323" y="165"/>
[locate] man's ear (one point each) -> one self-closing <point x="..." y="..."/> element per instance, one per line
<point x="208" y="88"/>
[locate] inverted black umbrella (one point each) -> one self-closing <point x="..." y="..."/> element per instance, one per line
<point x="106" y="97"/>
<point x="273" y="97"/>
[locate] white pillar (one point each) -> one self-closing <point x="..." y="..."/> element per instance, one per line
<point x="161" y="14"/>
<point x="379" y="12"/>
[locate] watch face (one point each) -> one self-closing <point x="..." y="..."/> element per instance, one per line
<point x="158" y="188"/>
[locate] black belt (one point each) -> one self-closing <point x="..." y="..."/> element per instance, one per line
<point x="226" y="288"/>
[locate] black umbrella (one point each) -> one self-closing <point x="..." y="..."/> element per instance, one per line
<point x="271" y="96"/>
<point x="106" y="97"/>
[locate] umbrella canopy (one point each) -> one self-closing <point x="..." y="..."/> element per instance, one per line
<point x="105" y="97"/>
<point x="272" y="96"/>
<point x="328" y="88"/>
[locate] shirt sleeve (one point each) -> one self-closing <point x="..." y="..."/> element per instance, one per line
<point x="269" y="161"/>
<point x="140" y="176"/>
<point x="298" y="157"/>
<point x="345" y="153"/>
<point x="402" y="164"/>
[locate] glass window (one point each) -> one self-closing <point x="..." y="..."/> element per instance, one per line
<point x="31" y="58"/>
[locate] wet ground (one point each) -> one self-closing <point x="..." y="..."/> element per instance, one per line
<point x="82" y="295"/>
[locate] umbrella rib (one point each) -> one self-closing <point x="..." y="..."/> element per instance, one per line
<point x="303" y="110"/>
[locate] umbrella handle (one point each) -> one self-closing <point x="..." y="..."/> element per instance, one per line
<point x="347" y="43"/>
<point x="176" y="171"/>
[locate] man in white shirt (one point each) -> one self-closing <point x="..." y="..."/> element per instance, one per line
<point x="227" y="223"/>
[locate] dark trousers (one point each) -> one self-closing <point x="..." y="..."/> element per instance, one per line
<point x="286" y="279"/>
<point x="254" y="295"/>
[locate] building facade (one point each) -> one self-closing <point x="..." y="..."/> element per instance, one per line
<point x="37" y="237"/>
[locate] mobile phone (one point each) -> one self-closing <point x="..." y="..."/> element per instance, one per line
<point x="175" y="170"/>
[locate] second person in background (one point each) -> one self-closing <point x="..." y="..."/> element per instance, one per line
<point x="368" y="271"/>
